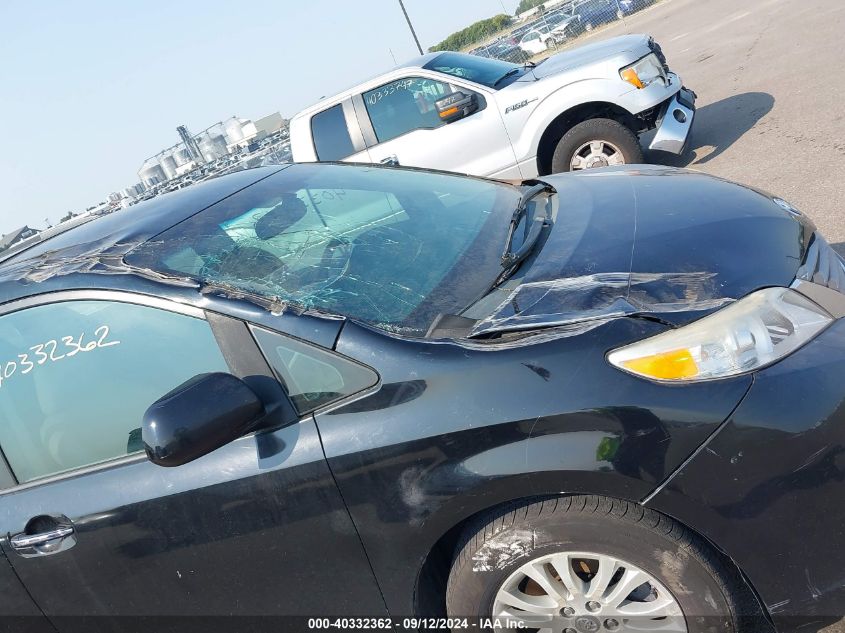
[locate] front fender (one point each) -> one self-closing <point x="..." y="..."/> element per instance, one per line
<point x="767" y="488"/>
<point x="527" y="129"/>
<point x="455" y="429"/>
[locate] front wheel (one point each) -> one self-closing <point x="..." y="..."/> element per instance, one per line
<point x="591" y="564"/>
<point x="596" y="143"/>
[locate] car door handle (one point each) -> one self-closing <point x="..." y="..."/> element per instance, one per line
<point x="391" y="161"/>
<point x="44" y="535"/>
<point x="24" y="541"/>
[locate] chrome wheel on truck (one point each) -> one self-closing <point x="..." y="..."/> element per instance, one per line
<point x="596" y="154"/>
<point x="596" y="143"/>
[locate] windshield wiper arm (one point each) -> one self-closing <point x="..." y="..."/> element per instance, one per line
<point x="509" y="258"/>
<point x="512" y="71"/>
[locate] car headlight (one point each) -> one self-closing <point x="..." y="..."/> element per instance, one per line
<point x="749" y="334"/>
<point x="644" y="72"/>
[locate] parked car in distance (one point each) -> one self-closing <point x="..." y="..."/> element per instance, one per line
<point x="538" y="40"/>
<point x="593" y="13"/>
<point x="627" y="7"/>
<point x="546" y="36"/>
<point x="565" y="404"/>
<point x="581" y="108"/>
<point x="502" y="50"/>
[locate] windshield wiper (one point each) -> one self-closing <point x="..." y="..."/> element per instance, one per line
<point x="511" y="72"/>
<point x="509" y="258"/>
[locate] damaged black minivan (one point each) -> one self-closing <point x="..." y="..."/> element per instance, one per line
<point x="597" y="401"/>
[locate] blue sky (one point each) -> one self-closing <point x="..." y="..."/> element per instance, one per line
<point x="89" y="89"/>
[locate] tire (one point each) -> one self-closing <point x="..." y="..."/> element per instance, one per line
<point x="709" y="592"/>
<point x="616" y="135"/>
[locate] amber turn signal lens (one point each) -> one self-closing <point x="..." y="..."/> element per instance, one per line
<point x="449" y="112"/>
<point x="674" y="365"/>
<point x="630" y="75"/>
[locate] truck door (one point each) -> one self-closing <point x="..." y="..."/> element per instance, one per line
<point x="405" y="129"/>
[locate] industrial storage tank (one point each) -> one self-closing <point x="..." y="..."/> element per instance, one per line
<point x="213" y="147"/>
<point x="151" y="173"/>
<point x="168" y="165"/>
<point x="233" y="130"/>
<point x="181" y="156"/>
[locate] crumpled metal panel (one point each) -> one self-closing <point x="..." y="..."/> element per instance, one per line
<point x="104" y="258"/>
<point x="107" y="258"/>
<point x="602" y="296"/>
<point x="823" y="265"/>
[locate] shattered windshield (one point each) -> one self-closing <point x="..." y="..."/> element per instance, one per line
<point x="386" y="246"/>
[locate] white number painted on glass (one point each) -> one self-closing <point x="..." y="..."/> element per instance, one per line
<point x="42" y="353"/>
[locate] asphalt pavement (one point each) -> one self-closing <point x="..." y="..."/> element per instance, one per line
<point x="771" y="98"/>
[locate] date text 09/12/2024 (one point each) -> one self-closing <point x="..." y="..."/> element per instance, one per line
<point x="413" y="624"/>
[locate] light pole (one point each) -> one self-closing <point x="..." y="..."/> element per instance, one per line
<point x="411" y="26"/>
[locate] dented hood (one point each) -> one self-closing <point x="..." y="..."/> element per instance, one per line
<point x="673" y="244"/>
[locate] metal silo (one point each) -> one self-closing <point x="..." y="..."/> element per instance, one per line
<point x="213" y="147"/>
<point x="151" y="173"/>
<point x="168" y="165"/>
<point x="181" y="156"/>
<point x="233" y="130"/>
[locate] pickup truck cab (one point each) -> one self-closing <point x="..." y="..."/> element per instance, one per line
<point x="578" y="109"/>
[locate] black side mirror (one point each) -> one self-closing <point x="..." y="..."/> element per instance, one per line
<point x="456" y="106"/>
<point x="199" y="416"/>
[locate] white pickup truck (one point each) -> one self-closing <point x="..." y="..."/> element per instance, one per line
<point x="575" y="110"/>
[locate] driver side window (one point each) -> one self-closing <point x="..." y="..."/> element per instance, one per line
<point x="77" y="376"/>
<point x="405" y="105"/>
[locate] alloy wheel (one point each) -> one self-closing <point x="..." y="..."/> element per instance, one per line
<point x="582" y="592"/>
<point x="596" y="154"/>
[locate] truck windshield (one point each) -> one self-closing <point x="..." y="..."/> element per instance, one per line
<point x="390" y="247"/>
<point x="482" y="70"/>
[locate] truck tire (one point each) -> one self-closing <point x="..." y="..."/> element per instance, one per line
<point x="591" y="563"/>
<point x="596" y="143"/>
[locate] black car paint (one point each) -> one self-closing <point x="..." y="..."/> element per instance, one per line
<point x="419" y="456"/>
<point x="458" y="427"/>
<point x="689" y="239"/>
<point x="191" y="540"/>
<point x="784" y="526"/>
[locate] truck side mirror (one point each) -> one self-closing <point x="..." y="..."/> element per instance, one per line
<point x="456" y="106"/>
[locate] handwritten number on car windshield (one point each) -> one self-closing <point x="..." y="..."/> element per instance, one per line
<point x="53" y="351"/>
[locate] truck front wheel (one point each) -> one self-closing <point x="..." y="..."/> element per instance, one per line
<point x="596" y="143"/>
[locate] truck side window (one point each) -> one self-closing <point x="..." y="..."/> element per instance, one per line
<point x="330" y="134"/>
<point x="404" y="105"/>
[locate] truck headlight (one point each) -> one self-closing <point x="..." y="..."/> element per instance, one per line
<point x="644" y="72"/>
<point x="756" y="331"/>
